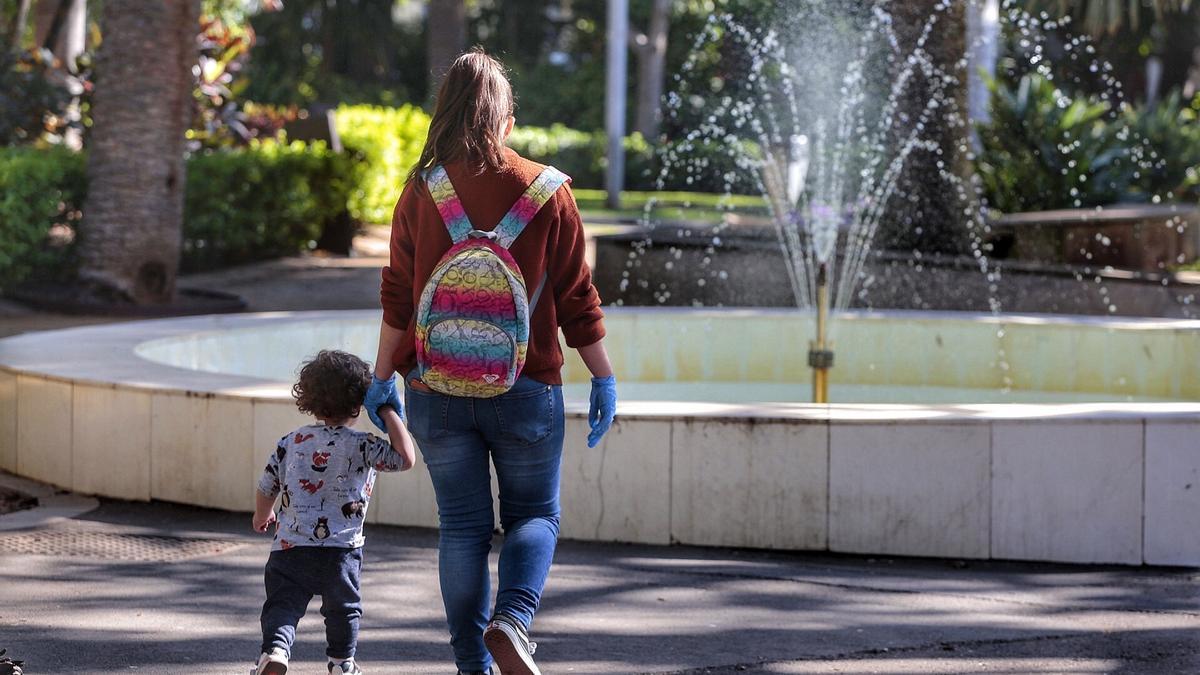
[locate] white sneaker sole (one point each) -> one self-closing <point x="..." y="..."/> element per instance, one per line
<point x="504" y="644"/>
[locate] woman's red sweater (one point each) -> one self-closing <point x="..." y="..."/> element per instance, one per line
<point x="553" y="244"/>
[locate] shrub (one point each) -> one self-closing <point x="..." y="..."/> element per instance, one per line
<point x="1165" y="139"/>
<point x="31" y="104"/>
<point x="38" y="190"/>
<point x="388" y="142"/>
<point x="1045" y="149"/>
<point x="266" y="200"/>
<point x="578" y="154"/>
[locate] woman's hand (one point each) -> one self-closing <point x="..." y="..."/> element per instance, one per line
<point x="382" y="392"/>
<point x="604" y="390"/>
<point x="603" y="407"/>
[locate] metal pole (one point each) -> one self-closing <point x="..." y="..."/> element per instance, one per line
<point x="614" y="99"/>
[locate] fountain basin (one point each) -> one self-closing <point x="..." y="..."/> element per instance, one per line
<point x="1032" y="438"/>
<point x="741" y="265"/>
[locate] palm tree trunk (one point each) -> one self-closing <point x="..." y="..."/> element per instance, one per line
<point x="133" y="217"/>
<point x="931" y="216"/>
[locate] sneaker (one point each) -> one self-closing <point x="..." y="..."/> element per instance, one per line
<point x="510" y="647"/>
<point x="275" y="663"/>
<point x="489" y="671"/>
<point x="347" y="667"/>
<point x="9" y="666"/>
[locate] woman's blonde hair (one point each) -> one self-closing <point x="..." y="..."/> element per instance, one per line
<point x="471" y="114"/>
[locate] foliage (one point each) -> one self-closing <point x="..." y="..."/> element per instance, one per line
<point x="266" y="200"/>
<point x="337" y="51"/>
<point x="219" y="120"/>
<point x="1108" y="17"/>
<point x="1165" y="138"/>
<point x="31" y="103"/>
<point x="388" y="142"/>
<point x="580" y="155"/>
<point x="1044" y="149"/>
<point x="40" y="191"/>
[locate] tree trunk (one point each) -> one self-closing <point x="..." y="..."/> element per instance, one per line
<point x="50" y="17"/>
<point x="17" y="31"/>
<point x="446" y="34"/>
<point x="130" y="237"/>
<point x="652" y="63"/>
<point x="927" y="211"/>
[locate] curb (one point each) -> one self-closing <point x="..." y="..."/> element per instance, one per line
<point x="53" y="505"/>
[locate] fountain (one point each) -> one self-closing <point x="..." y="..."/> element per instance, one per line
<point x="960" y="435"/>
<point x="864" y="115"/>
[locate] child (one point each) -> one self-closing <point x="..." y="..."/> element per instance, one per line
<point x="323" y="474"/>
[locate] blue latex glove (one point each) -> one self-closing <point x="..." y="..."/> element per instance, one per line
<point x="603" y="407"/>
<point x="382" y="392"/>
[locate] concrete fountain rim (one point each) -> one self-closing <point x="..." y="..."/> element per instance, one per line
<point x="106" y="355"/>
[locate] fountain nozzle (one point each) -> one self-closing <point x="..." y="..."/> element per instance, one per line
<point x="820" y="356"/>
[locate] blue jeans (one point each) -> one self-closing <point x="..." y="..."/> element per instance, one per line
<point x="293" y="577"/>
<point x="521" y="431"/>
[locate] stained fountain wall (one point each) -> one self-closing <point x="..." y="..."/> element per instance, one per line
<point x="1087" y="482"/>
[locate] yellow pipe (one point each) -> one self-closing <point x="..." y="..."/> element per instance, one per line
<point x="820" y="357"/>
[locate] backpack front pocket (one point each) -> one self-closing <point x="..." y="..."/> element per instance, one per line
<point x="469" y="357"/>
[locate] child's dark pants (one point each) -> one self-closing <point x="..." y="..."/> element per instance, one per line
<point x="293" y="577"/>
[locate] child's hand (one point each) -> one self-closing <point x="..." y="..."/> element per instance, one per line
<point x="399" y="437"/>
<point x="263" y="521"/>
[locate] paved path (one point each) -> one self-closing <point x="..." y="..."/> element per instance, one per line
<point x="288" y="284"/>
<point x="608" y="608"/>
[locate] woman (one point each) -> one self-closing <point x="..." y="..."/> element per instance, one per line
<point x="520" y="430"/>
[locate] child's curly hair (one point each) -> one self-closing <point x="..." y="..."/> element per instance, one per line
<point x="332" y="385"/>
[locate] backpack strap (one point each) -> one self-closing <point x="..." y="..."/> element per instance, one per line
<point x="448" y="204"/>
<point x="536" y="195"/>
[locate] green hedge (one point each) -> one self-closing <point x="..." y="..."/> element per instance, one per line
<point x="38" y="188"/>
<point x="388" y="141"/>
<point x="263" y="201"/>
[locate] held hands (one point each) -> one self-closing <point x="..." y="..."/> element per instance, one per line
<point x="263" y="521"/>
<point x="382" y="392"/>
<point x="603" y="407"/>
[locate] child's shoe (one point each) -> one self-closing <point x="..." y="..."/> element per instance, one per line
<point x="347" y="667"/>
<point x="275" y="663"/>
<point x="9" y="666"/>
<point x="510" y="647"/>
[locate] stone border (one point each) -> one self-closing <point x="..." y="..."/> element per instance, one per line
<point x="1104" y="483"/>
<point x="53" y="505"/>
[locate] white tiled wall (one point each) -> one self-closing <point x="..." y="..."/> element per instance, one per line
<point x="749" y="484"/>
<point x="917" y="489"/>
<point x="1067" y="491"/>
<point x="8" y="421"/>
<point x="110" y="444"/>
<point x="44" y="430"/>
<point x="1172" y="493"/>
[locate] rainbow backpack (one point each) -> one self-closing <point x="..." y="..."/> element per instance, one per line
<point x="472" y="324"/>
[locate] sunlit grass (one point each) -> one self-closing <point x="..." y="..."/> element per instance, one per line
<point x="691" y="206"/>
